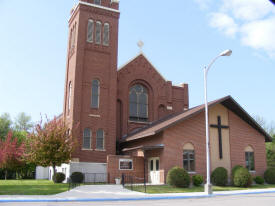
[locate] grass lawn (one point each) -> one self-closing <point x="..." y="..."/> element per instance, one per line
<point x="31" y="187"/>
<point x="156" y="189"/>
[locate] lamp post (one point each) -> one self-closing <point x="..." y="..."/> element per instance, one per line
<point x="208" y="186"/>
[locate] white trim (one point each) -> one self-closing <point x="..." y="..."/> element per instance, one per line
<point x="100" y="150"/>
<point x="139" y="122"/>
<point x="252" y="171"/>
<point x="169" y="108"/>
<point x="94" y="115"/>
<point x="125" y="160"/>
<point x="86" y="149"/>
<point x="140" y="53"/>
<point x="192" y="172"/>
<point x="98" y="6"/>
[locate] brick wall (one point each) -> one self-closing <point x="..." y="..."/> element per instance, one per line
<point x="113" y="167"/>
<point x="190" y="131"/>
<point x="161" y="94"/>
<point x="91" y="61"/>
<point x="241" y="136"/>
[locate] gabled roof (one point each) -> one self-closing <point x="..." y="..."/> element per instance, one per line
<point x="162" y="124"/>
<point x="134" y="58"/>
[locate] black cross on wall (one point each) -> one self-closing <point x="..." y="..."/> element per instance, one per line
<point x="219" y="126"/>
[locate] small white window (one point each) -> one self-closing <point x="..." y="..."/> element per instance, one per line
<point x="98" y="32"/>
<point x="125" y="164"/>
<point x="90" y="31"/>
<point x="106" y="34"/>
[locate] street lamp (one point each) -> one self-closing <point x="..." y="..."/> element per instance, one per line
<point x="208" y="186"/>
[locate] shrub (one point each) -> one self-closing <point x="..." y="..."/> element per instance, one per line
<point x="77" y="177"/>
<point x="219" y="176"/>
<point x="259" y="180"/>
<point x="242" y="178"/>
<point x="269" y="176"/>
<point x="197" y="180"/>
<point x="234" y="169"/>
<point x="178" y="177"/>
<point x="59" y="177"/>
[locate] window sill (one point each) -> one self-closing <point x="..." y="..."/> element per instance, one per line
<point x="252" y="171"/>
<point x="192" y="173"/>
<point x="100" y="150"/>
<point x="126" y="169"/>
<point x="87" y="149"/>
<point x="138" y="122"/>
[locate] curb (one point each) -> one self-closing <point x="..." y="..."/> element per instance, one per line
<point x="131" y="199"/>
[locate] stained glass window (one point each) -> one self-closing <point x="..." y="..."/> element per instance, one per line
<point x="87" y="134"/>
<point x="69" y="97"/>
<point x="106" y="34"/>
<point x="100" y="139"/>
<point x="249" y="161"/>
<point x="95" y="94"/>
<point x="189" y="160"/>
<point x="98" y="32"/>
<point x="98" y="2"/>
<point x="90" y="31"/>
<point x="138" y="103"/>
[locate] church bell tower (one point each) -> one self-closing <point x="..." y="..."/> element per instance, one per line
<point x="91" y="78"/>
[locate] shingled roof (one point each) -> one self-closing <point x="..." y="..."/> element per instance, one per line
<point x="162" y="124"/>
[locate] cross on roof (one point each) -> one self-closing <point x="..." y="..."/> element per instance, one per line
<point x="219" y="126"/>
<point x="140" y="45"/>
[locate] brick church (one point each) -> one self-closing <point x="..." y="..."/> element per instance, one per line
<point x="134" y="121"/>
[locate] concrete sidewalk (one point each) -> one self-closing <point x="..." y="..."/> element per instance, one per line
<point x="95" y="193"/>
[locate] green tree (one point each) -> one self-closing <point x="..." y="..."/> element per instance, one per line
<point x="270" y="146"/>
<point x="5" y="125"/>
<point x="23" y="122"/>
<point x="51" y="144"/>
<point x="270" y="153"/>
<point x="269" y="127"/>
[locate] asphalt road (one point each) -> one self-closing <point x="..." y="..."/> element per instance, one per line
<point x="238" y="200"/>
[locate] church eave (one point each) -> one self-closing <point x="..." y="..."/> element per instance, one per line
<point x="227" y="101"/>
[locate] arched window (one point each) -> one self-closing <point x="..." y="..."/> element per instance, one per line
<point x="90" y="31"/>
<point x="98" y="2"/>
<point x="249" y="158"/>
<point x="106" y="34"/>
<point x="189" y="157"/>
<point x="98" y="32"/>
<point x="87" y="136"/>
<point x="73" y="36"/>
<point x="100" y="139"/>
<point x="138" y="103"/>
<point x="69" y="97"/>
<point x="95" y="94"/>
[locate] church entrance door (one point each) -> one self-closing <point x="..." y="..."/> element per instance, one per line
<point x="153" y="166"/>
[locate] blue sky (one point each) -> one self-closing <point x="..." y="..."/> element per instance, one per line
<point x="180" y="37"/>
